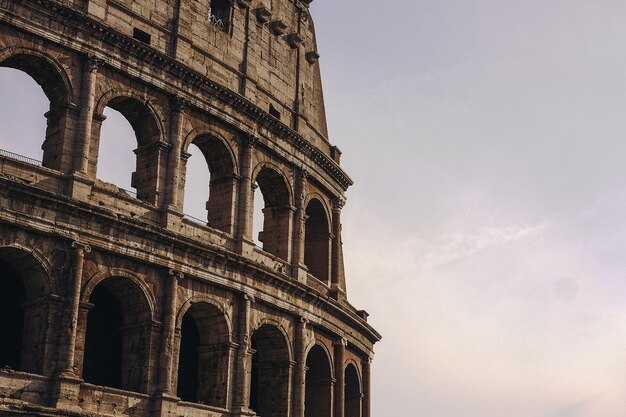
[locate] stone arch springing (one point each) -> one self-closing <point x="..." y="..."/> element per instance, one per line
<point x="54" y="82"/>
<point x="318" y="385"/>
<point x="270" y="377"/>
<point x="277" y="211"/>
<point x="317" y="240"/>
<point x="217" y="191"/>
<point x="24" y="309"/>
<point x="204" y="350"/>
<point x="353" y="392"/>
<point x="148" y="172"/>
<point x="118" y="335"/>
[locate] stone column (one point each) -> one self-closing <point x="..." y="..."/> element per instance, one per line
<point x="244" y="220"/>
<point x="169" y="329"/>
<point x="244" y="358"/>
<point x="69" y="345"/>
<point x="83" y="131"/>
<point x="366" y="398"/>
<point x="300" y="368"/>
<point x="178" y="109"/>
<point x="298" y="268"/>
<point x="340" y="384"/>
<point x="337" y="279"/>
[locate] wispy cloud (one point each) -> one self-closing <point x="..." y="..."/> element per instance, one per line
<point x="462" y="245"/>
<point x="572" y="410"/>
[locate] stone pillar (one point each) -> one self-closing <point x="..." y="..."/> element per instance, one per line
<point x="366" y="398"/>
<point x="83" y="131"/>
<point x="244" y="220"/>
<point x="300" y="368"/>
<point x="298" y="268"/>
<point x="244" y="358"/>
<point x="340" y="384"/>
<point x="338" y="288"/>
<point x="169" y="329"/>
<point x="178" y="109"/>
<point x="71" y="314"/>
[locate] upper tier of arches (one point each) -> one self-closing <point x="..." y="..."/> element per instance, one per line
<point x="296" y="225"/>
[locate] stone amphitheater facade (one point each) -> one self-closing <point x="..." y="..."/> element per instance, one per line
<point x="115" y="303"/>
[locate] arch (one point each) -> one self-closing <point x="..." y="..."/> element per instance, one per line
<point x="56" y="85"/>
<point x="203" y="366"/>
<point x="271" y="371"/>
<point x="118" y="335"/>
<point x="353" y="391"/>
<point x="148" y="128"/>
<point x="277" y="212"/>
<point x="318" y="383"/>
<point x="23" y="310"/>
<point x="103" y="274"/>
<point x="221" y="185"/>
<point x="317" y="240"/>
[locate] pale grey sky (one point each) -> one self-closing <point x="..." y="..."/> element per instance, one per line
<point x="486" y="230"/>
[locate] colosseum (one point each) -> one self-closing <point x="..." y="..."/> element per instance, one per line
<point x="115" y="302"/>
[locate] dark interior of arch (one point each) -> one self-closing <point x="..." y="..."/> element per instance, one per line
<point x="118" y="336"/>
<point x="276" y="213"/>
<point x="316" y="241"/>
<point x="318" y="386"/>
<point x="203" y="358"/>
<point x="352" y="405"/>
<point x="22" y="319"/>
<point x="221" y="188"/>
<point x="56" y="90"/>
<point x="147" y="133"/>
<point x="269" y="390"/>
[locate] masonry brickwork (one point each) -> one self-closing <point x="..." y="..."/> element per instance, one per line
<point x="117" y="304"/>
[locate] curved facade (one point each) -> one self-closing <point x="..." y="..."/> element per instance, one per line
<point x="115" y="302"/>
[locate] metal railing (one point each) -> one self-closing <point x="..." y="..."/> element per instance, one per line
<point x="21" y="158"/>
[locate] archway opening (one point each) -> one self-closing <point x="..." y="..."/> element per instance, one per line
<point x="118" y="336"/>
<point x="116" y="157"/>
<point x="23" y="311"/>
<point x="33" y="88"/>
<point x="271" y="373"/>
<point x="189" y="359"/>
<point x="277" y="213"/>
<point x="12" y="316"/>
<point x="209" y="183"/>
<point x="352" y="405"/>
<point x="111" y="156"/>
<point x="317" y="241"/>
<point x="203" y="356"/>
<point x="318" y="384"/>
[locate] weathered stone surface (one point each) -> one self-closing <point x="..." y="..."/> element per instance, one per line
<point x="117" y="304"/>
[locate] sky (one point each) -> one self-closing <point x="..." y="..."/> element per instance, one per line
<point x="486" y="228"/>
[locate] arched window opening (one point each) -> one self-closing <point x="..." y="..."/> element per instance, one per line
<point x="209" y="183"/>
<point x="352" y="405"/>
<point x="23" y="130"/>
<point x="116" y="151"/>
<point x="204" y="356"/>
<point x="118" y="336"/>
<point x="318" y="384"/>
<point x="317" y="241"/>
<point x="277" y="213"/>
<point x="188" y="360"/>
<point x="23" y="311"/>
<point x="269" y="387"/>
<point x="219" y="14"/>
<point x="116" y="157"/>
<point x="12" y="316"/>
